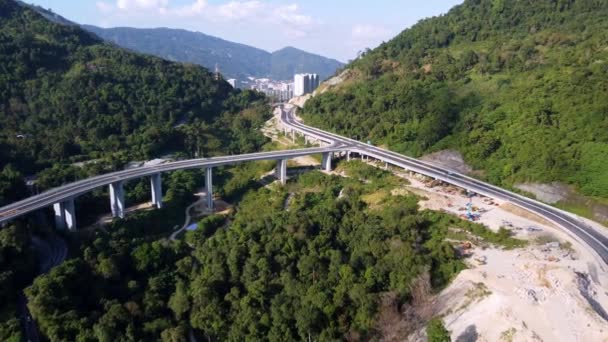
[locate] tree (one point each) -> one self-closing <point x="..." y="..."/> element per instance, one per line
<point x="12" y="186"/>
<point x="180" y="301"/>
<point x="436" y="331"/>
<point x="175" y="334"/>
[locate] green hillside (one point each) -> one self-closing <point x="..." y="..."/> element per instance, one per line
<point x="519" y="87"/>
<point x="66" y="96"/>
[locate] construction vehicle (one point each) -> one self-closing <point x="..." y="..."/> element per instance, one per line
<point x="470" y="215"/>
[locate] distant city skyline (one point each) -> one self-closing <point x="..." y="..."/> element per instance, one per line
<point x="338" y="29"/>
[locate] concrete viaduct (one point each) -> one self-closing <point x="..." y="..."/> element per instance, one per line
<point x="62" y="198"/>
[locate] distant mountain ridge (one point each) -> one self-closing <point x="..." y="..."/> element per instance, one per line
<point x="235" y="60"/>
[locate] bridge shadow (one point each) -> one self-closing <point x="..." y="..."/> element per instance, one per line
<point x="470" y="334"/>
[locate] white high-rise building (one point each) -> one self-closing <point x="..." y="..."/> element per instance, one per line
<point x="305" y="84"/>
<point x="299" y="84"/>
<point x="233" y="82"/>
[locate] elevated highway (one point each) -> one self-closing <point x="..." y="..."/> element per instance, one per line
<point x="62" y="198"/>
<point x="568" y="222"/>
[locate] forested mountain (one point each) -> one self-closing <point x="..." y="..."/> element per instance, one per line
<point x="289" y="61"/>
<point x="67" y="96"/>
<point x="47" y="13"/>
<point x="519" y="87"/>
<point x="235" y="60"/>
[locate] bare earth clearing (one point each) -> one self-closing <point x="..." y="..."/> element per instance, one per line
<point x="547" y="291"/>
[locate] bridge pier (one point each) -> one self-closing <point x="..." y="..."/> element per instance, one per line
<point x="209" y="187"/>
<point x="117" y="199"/>
<point x="70" y="215"/>
<point x="348" y="156"/>
<point x="281" y="171"/>
<point x="65" y="215"/>
<point x="326" y="161"/>
<point x="59" y="209"/>
<point x="157" y="190"/>
<point x="293" y="136"/>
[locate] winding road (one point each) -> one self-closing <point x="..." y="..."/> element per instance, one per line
<point x="571" y="224"/>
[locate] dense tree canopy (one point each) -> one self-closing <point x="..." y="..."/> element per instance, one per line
<point x="519" y="87"/>
<point x="312" y="266"/>
<point x="66" y="96"/>
<point x="17" y="268"/>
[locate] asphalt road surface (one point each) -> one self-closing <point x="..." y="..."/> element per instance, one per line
<point x="571" y="224"/>
<point x="73" y="190"/>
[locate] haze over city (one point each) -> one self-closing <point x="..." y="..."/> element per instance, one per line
<point x="337" y="29"/>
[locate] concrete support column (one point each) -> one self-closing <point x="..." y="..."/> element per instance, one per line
<point x="65" y="215"/>
<point x="157" y="190"/>
<point x="386" y="166"/>
<point x="117" y="199"/>
<point x="70" y="215"/>
<point x="348" y="156"/>
<point x="59" y="210"/>
<point x="326" y="161"/>
<point x="209" y="187"/>
<point x="293" y="136"/>
<point x="281" y="171"/>
<point x="306" y="139"/>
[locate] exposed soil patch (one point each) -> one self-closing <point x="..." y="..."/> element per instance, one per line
<point x="548" y="193"/>
<point x="449" y="159"/>
<point x="525" y="213"/>
<point x="565" y="196"/>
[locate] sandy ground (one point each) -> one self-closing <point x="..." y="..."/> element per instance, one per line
<point x="538" y="293"/>
<point x="523" y="295"/>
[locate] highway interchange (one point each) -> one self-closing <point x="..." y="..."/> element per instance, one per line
<point x="335" y="143"/>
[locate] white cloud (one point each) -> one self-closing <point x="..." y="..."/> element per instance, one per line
<point x="236" y="10"/>
<point x="288" y="19"/>
<point x="291" y="14"/>
<point x="141" y="4"/>
<point x="194" y="9"/>
<point x="104" y="7"/>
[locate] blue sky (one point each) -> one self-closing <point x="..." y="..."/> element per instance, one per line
<point x="333" y="28"/>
